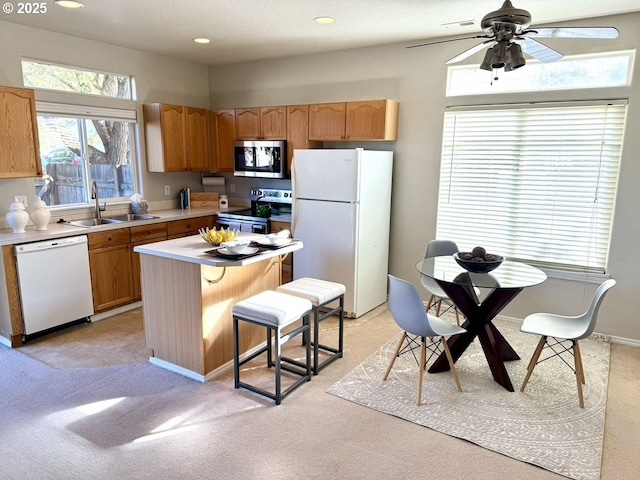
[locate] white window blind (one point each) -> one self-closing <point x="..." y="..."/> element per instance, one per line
<point x="535" y="183"/>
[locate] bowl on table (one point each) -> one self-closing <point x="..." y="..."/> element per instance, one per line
<point x="236" y="247"/>
<point x="277" y="240"/>
<point x="478" y="264"/>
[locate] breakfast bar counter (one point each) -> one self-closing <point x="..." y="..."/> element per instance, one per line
<point x="188" y="292"/>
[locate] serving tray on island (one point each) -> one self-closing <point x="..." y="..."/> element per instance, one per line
<point x="270" y="246"/>
<point x="222" y="252"/>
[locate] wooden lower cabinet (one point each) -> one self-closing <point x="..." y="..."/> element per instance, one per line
<point x="141" y="236"/>
<point x="287" y="263"/>
<point x="111" y="269"/>
<point x="115" y="267"/>
<point x="189" y="226"/>
<point x="11" y="323"/>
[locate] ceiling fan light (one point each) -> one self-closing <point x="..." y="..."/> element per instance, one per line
<point x="498" y="59"/>
<point x="486" y="63"/>
<point x="516" y="58"/>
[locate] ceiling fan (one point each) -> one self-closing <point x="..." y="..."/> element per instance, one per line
<point x="508" y="35"/>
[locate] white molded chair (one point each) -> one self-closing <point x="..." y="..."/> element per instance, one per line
<point x="407" y="309"/>
<point x="437" y="248"/>
<point x="563" y="329"/>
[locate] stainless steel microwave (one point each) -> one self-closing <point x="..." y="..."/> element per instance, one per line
<point x="266" y="159"/>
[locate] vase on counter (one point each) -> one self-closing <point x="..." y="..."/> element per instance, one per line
<point x="17" y="217"/>
<point x="40" y="215"/>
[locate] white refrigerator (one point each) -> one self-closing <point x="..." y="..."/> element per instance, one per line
<point x="341" y="212"/>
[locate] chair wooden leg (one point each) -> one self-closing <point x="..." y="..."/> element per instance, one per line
<point x="452" y="364"/>
<point x="393" y="360"/>
<point x="533" y="361"/>
<point x="432" y="301"/>
<point x="579" y="352"/>
<point x="579" y="371"/>
<point x="438" y="307"/>
<point x="423" y="360"/>
<point x="457" y="315"/>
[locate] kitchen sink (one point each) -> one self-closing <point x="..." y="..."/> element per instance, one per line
<point x="93" y="222"/>
<point x="130" y="217"/>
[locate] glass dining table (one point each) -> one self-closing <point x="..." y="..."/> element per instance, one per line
<point x="498" y="288"/>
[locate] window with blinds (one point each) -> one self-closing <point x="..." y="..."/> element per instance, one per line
<point x="535" y="183"/>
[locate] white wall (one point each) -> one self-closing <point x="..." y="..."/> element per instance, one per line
<point x="416" y="78"/>
<point x="157" y="78"/>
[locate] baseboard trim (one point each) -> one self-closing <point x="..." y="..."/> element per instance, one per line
<point x="172" y="367"/>
<point x="101" y="316"/>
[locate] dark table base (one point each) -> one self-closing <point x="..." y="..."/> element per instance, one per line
<point x="479" y="324"/>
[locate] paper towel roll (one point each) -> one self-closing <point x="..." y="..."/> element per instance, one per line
<point x="213" y="181"/>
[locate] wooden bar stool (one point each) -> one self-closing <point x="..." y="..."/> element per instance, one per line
<point x="275" y="311"/>
<point x="321" y="293"/>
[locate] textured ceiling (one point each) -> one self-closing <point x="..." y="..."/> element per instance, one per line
<point x="246" y="30"/>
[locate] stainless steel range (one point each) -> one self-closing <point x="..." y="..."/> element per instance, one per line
<point x="265" y="204"/>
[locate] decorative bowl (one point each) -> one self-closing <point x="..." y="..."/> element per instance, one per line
<point x="216" y="237"/>
<point x="475" y="265"/>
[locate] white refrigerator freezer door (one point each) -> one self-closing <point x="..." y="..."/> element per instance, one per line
<point x="326" y="174"/>
<point x="328" y="232"/>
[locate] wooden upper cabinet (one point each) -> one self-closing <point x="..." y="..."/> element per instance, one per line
<point x="376" y="120"/>
<point x="197" y="139"/>
<point x="223" y="136"/>
<point x="247" y="123"/>
<point x="173" y="139"/>
<point x="19" y="142"/>
<point x="177" y="138"/>
<point x="354" y="121"/>
<point x="298" y="130"/>
<point x="273" y="123"/>
<point x="265" y="123"/>
<point x="327" y="121"/>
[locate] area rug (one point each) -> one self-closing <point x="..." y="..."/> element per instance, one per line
<point x="543" y="426"/>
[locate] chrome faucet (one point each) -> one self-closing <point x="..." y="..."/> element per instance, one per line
<point x="94" y="195"/>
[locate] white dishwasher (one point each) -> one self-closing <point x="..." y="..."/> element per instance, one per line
<point x="55" y="282"/>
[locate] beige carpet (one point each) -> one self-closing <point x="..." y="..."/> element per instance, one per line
<point x="543" y="426"/>
<point x="85" y="403"/>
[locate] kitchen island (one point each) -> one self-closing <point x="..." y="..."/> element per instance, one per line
<point x="188" y="295"/>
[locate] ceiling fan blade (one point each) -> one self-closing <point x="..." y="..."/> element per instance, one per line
<point x="447" y="41"/>
<point x="540" y="51"/>
<point x="573" y="32"/>
<point x="469" y="52"/>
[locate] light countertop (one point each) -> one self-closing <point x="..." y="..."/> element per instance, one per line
<point x="61" y="230"/>
<point x="193" y="250"/>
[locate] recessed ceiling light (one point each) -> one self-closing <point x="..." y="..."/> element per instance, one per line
<point x="69" y="3"/>
<point x="202" y="40"/>
<point x="324" y="20"/>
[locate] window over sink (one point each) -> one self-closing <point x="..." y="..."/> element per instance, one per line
<point x="81" y="142"/>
